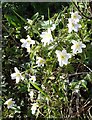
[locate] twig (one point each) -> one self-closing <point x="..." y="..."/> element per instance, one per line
<point x="81" y="110"/>
<point x="87" y="68"/>
<point x="79" y="73"/>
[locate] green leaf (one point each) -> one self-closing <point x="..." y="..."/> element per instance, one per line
<point x="36" y="86"/>
<point x="12" y="20"/>
<point x="20" y="16"/>
<point x="35" y="16"/>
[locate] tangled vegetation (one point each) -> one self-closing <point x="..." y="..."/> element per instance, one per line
<point x="47" y="61"/>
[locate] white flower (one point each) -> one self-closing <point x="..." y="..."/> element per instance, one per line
<point x="27" y="42"/>
<point x="29" y="21"/>
<point x="17" y="75"/>
<point x="33" y="78"/>
<point x="34" y="107"/>
<point x="39" y="96"/>
<point x="76" y="89"/>
<point x="73" y="22"/>
<point x="46" y="37"/>
<point x="77" y="46"/>
<point x="40" y="61"/>
<point x="75" y="16"/>
<point x="73" y="25"/>
<point x="63" y="57"/>
<point x="43" y="87"/>
<point x="53" y="27"/>
<point x="31" y="94"/>
<point x="26" y="27"/>
<point x="9" y="103"/>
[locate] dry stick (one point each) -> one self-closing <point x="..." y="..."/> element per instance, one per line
<point x="81" y="110"/>
<point x="77" y="104"/>
<point x="80" y="73"/>
<point x="87" y="68"/>
<point x="81" y="12"/>
<point x="89" y="112"/>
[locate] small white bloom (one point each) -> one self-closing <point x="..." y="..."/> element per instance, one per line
<point x="39" y="96"/>
<point x="33" y="78"/>
<point x="43" y="87"/>
<point x="26" y="27"/>
<point x="34" y="107"/>
<point x="75" y="16"/>
<point x="40" y="61"/>
<point x="31" y="94"/>
<point x="29" y="21"/>
<point x="17" y="75"/>
<point x="53" y="27"/>
<point x="76" y="89"/>
<point x="27" y="42"/>
<point x="63" y="57"/>
<point x="73" y="25"/>
<point x="9" y="103"/>
<point x="46" y="37"/>
<point x="77" y="46"/>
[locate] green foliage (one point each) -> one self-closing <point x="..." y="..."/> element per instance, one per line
<point x="59" y="91"/>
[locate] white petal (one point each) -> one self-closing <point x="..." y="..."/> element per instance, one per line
<point x="28" y="37"/>
<point x="33" y="112"/>
<point x="23" y="40"/>
<point x="28" y="49"/>
<point x="64" y="51"/>
<point x="79" y="26"/>
<point x="79" y="50"/>
<point x="32" y="42"/>
<point x="58" y="52"/>
<point x="74" y="42"/>
<point x="22" y="78"/>
<point x="69" y="55"/>
<point x="61" y="64"/>
<point x="76" y="28"/>
<point x="65" y="62"/>
<point x="16" y="70"/>
<point x="83" y="46"/>
<point x="9" y="106"/>
<point x="24" y="45"/>
<point x="49" y="31"/>
<point x="13" y="76"/>
<point x="74" y="51"/>
<point x="53" y="27"/>
<point x="17" y="79"/>
<point x="7" y="101"/>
